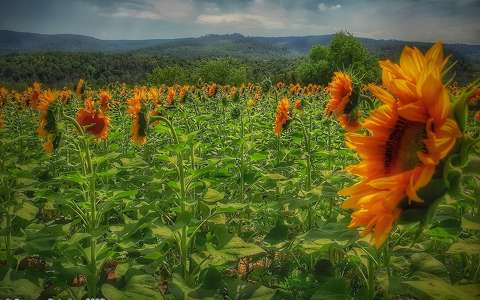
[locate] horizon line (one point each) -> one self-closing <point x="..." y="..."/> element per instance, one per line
<point x="242" y="34"/>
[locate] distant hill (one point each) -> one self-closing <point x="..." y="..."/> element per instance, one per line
<point x="61" y="59"/>
<point x="13" y="41"/>
<point x="235" y="45"/>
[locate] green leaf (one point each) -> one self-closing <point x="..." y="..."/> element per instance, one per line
<point x="274" y="176"/>
<point x="212" y="196"/>
<point x="424" y="262"/>
<point x="123" y="194"/>
<point x="108" y="173"/>
<point x="109" y="156"/>
<point x="163" y="232"/>
<point x="41" y="238"/>
<point x="28" y="211"/>
<point x="219" y="219"/>
<point x="472" y="166"/>
<point x="323" y="237"/>
<point x="132" y="226"/>
<point x="233" y="250"/>
<point x="22" y="181"/>
<point x="74" y="240"/>
<point x="470" y="222"/>
<point x="432" y="287"/>
<point x="135" y="162"/>
<point x="182" y="290"/>
<point x="464" y="246"/>
<point x="138" y="287"/>
<point x="211" y="279"/>
<point x="333" y="289"/>
<point x="316" y="192"/>
<point x="258" y="156"/>
<point x="230" y="207"/>
<point x="76" y="178"/>
<point x="12" y="287"/>
<point x="277" y="234"/>
<point x="238" y="289"/>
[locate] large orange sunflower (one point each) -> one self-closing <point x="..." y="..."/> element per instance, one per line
<point x="95" y="121"/>
<point x="282" y="116"/>
<point x="408" y="136"/>
<point x="342" y="101"/>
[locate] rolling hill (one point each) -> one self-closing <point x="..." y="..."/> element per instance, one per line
<point x="235" y="45"/>
<point x="59" y="60"/>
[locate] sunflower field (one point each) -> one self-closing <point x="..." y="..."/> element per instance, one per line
<point x="259" y="191"/>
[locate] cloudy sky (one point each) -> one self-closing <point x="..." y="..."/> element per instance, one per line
<point x="420" y="20"/>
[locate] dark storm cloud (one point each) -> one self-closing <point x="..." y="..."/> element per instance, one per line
<point x="427" y="20"/>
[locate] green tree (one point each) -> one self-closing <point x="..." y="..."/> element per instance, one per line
<point x="222" y="71"/>
<point x="344" y="52"/>
<point x="168" y="75"/>
<point x="309" y="71"/>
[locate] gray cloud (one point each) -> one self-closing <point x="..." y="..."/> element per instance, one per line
<point x="423" y="20"/>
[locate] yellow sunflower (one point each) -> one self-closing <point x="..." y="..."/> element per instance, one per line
<point x="408" y="136"/>
<point x="343" y="101"/>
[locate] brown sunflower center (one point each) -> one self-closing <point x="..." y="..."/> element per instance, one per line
<point x="403" y="143"/>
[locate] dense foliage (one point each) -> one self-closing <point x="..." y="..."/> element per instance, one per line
<point x="264" y="190"/>
<point x="202" y="199"/>
<point x="222" y="71"/>
<point x="261" y="60"/>
<point x="344" y="52"/>
<point x="64" y="69"/>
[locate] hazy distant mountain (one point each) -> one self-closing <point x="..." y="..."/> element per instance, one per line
<point x="12" y="41"/>
<point x="235" y="45"/>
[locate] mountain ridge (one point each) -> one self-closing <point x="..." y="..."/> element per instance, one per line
<point x="234" y="44"/>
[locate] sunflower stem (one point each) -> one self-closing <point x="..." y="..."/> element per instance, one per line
<point x="242" y="159"/>
<point x="371" y="279"/>
<point x="386" y="257"/>
<point x="89" y="171"/>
